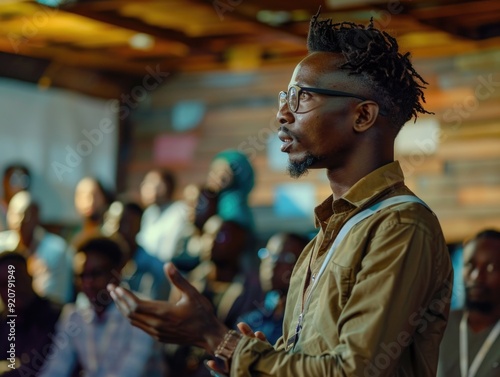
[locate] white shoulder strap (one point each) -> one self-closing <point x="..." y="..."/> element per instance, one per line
<point x="360" y="217"/>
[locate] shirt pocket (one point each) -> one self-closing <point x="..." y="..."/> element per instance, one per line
<point x="344" y="279"/>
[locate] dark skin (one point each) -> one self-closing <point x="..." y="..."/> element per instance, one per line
<point x="129" y="225"/>
<point x="94" y="271"/>
<point x="481" y="275"/>
<point x="352" y="141"/>
<point x="226" y="244"/>
<point x="23" y="217"/>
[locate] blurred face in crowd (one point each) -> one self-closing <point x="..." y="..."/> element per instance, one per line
<point x="129" y="225"/>
<point x="90" y="201"/>
<point x="154" y="189"/>
<point x="22" y="214"/>
<point x="277" y="261"/>
<point x="223" y="241"/>
<point x="481" y="274"/>
<point x="94" y="271"/>
<point x="220" y="175"/>
<point x="14" y="181"/>
<point x="201" y="204"/>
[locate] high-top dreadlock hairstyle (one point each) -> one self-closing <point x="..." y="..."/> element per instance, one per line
<point x="374" y="55"/>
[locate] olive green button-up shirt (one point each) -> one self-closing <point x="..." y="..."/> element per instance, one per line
<point x="381" y="306"/>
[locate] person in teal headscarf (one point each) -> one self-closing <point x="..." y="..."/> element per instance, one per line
<point x="232" y="176"/>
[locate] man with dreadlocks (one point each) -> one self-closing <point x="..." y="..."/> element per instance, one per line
<point x="370" y="295"/>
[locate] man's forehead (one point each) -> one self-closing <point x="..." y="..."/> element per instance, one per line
<point x="319" y="67"/>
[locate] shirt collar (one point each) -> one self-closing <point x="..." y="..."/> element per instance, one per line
<point x="365" y="191"/>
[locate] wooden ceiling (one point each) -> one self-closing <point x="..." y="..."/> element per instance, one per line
<point x="102" y="48"/>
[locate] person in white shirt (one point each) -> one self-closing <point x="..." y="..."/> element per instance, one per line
<point x="164" y="219"/>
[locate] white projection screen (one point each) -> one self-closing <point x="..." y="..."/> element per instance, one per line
<point x="61" y="136"/>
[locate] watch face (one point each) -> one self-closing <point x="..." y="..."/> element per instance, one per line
<point x="221" y="362"/>
<point x="213" y="372"/>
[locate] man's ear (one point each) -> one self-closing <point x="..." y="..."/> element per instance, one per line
<point x="365" y="116"/>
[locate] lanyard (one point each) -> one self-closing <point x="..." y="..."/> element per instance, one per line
<point x="481" y="354"/>
<point x="340" y="237"/>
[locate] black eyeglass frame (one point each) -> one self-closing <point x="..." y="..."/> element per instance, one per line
<point x="328" y="92"/>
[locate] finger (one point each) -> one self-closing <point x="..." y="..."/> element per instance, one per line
<point x="261" y="336"/>
<point x="120" y="302"/>
<point x="178" y="280"/>
<point x="121" y="306"/>
<point x="245" y="329"/>
<point x="127" y="298"/>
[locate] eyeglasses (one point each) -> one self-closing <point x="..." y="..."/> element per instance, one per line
<point x="292" y="97"/>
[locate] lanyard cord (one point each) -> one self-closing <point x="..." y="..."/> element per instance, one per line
<point x="481" y="354"/>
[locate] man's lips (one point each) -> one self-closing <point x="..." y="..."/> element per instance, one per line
<point x="286" y="139"/>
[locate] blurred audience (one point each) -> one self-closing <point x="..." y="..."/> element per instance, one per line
<point x="25" y="349"/>
<point x="98" y="337"/>
<point x="277" y="261"/>
<point x="471" y="343"/>
<point x="163" y="220"/>
<point x="48" y="255"/>
<point x="142" y="272"/>
<point x="91" y="202"/>
<point x="15" y="178"/>
<point x="221" y="279"/>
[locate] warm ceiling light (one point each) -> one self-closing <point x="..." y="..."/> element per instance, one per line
<point x="141" y="41"/>
<point x="274" y="18"/>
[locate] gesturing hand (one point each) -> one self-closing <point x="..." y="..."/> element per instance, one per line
<point x="190" y="320"/>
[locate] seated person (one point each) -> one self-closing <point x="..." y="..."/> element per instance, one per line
<point x="164" y="218"/>
<point x="34" y="324"/>
<point x="99" y="339"/>
<point x="48" y="255"/>
<point x="221" y="279"/>
<point x="277" y="261"/>
<point x="15" y="178"/>
<point x="476" y="328"/>
<point x="142" y="272"/>
<point x="91" y="202"/>
<point x="201" y="204"/>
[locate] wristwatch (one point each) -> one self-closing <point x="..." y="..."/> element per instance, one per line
<point x="225" y="350"/>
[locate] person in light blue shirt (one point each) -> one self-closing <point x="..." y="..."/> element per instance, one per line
<point x="93" y="334"/>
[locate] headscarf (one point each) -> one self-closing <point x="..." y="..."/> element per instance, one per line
<point x="233" y="200"/>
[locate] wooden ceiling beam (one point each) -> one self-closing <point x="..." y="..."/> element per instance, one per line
<point x="111" y="17"/>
